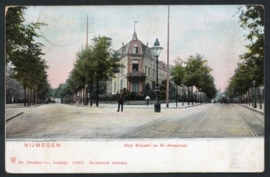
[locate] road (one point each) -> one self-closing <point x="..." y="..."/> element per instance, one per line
<point x="68" y="122"/>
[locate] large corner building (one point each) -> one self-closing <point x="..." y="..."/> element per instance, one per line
<point x="139" y="68"/>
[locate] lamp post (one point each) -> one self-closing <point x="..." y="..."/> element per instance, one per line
<point x="254" y="86"/>
<point x="156" y="49"/>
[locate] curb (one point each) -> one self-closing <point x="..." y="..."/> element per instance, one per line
<point x="253" y="109"/>
<point x="131" y="106"/>
<point x="32" y="106"/>
<point x="8" y="119"/>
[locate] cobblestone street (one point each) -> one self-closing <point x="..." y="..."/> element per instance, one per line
<point x="68" y="122"/>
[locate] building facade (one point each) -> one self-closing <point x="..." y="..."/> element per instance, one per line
<point x="139" y="68"/>
<point x="14" y="90"/>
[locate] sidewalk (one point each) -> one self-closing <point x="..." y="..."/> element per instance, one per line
<point x="21" y="105"/>
<point x="16" y="109"/>
<point x="254" y="109"/>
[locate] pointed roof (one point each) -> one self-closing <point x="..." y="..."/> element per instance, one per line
<point x="135" y="36"/>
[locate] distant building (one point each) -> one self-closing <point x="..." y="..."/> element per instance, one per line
<point x="140" y="68"/>
<point x="14" y="90"/>
<point x="219" y="95"/>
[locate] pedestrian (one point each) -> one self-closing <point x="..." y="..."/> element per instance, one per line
<point x="77" y="101"/>
<point x="120" y="100"/>
<point x="147" y="98"/>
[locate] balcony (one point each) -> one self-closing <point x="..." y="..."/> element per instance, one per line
<point x="136" y="75"/>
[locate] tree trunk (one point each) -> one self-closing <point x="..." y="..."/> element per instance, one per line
<point x="183" y="96"/>
<point x="84" y="98"/>
<point x="91" y="93"/>
<point x="80" y="97"/>
<point x="176" y="96"/>
<point x="34" y="97"/>
<point x="260" y="99"/>
<point x="24" y="95"/>
<point x="97" y="94"/>
<point x="31" y="97"/>
<point x="188" y="95"/>
<point x="192" y="94"/>
<point x="28" y="97"/>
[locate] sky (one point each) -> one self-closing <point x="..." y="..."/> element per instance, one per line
<point x="210" y="30"/>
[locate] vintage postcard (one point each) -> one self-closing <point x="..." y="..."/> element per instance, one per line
<point x="134" y="89"/>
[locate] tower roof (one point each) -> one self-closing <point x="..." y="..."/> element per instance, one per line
<point x="129" y="47"/>
<point x="135" y="36"/>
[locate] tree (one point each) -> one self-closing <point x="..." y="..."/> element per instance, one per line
<point x="163" y="87"/>
<point x="178" y="72"/>
<point x="252" y="19"/>
<point x="196" y="67"/>
<point x="251" y="64"/>
<point x="23" y="53"/>
<point x="196" y="70"/>
<point x="208" y="85"/>
<point x="107" y="60"/>
<point x="15" y="31"/>
<point x="94" y="64"/>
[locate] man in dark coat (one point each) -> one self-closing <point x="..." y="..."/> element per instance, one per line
<point x="120" y="100"/>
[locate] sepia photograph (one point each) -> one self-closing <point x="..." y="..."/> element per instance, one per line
<point x="134" y="88"/>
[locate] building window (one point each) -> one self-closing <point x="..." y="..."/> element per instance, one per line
<point x="135" y="49"/>
<point x="135" y="87"/>
<point x="145" y="70"/>
<point x="121" y="84"/>
<point x="121" y="70"/>
<point x="114" y="86"/>
<point x="135" y="65"/>
<point x="148" y="71"/>
<point x="153" y="73"/>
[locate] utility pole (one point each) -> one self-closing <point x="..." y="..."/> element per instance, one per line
<point x="86" y="32"/>
<point x="87" y="26"/>
<point x="168" y="69"/>
<point x="84" y="90"/>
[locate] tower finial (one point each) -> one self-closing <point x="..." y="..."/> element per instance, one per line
<point x="135" y="24"/>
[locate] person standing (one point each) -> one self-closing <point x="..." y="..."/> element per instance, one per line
<point x="77" y="101"/>
<point x="147" y="98"/>
<point x="120" y="100"/>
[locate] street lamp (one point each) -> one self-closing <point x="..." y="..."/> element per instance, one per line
<point x="254" y="84"/>
<point x="156" y="51"/>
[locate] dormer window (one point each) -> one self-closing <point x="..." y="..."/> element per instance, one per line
<point x="135" y="49"/>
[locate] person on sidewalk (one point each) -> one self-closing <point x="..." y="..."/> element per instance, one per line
<point x="147" y="98"/>
<point x="120" y="100"/>
<point x="77" y="101"/>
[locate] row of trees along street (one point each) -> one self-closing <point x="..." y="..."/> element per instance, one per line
<point x="251" y="63"/>
<point x="194" y="72"/>
<point x="93" y="67"/>
<point x="24" y="56"/>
